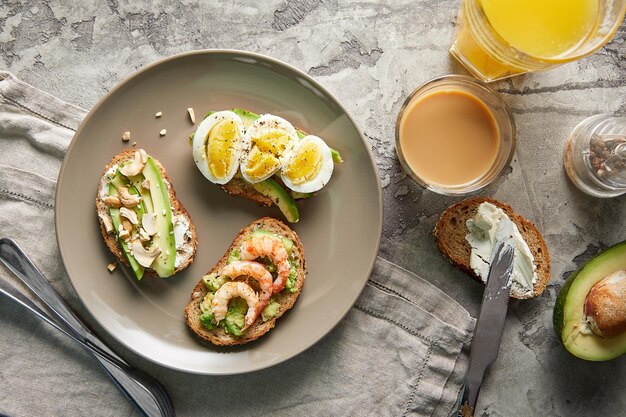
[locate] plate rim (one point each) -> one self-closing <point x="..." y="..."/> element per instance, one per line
<point x="233" y="53"/>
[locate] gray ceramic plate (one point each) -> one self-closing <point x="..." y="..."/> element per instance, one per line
<point x="340" y="227"/>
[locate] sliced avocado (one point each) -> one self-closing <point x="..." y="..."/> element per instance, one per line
<point x="287" y="242"/>
<point x="117" y="221"/>
<point x="247" y="117"/>
<point x="165" y="262"/>
<point x="280" y="197"/>
<point x="145" y="194"/>
<point x="234" y="321"/>
<point x="569" y="317"/>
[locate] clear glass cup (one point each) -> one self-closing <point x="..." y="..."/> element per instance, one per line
<point x="489" y="57"/>
<point x="595" y="156"/>
<point x="503" y="119"/>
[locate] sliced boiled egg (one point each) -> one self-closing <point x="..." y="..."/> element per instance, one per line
<point x="309" y="165"/>
<point x="267" y="142"/>
<point x="217" y="146"/>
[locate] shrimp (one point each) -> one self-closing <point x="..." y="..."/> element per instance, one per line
<point x="230" y="290"/>
<point x="273" y="248"/>
<point x="257" y="272"/>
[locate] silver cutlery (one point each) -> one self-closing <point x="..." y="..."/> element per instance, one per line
<point x="490" y="324"/>
<point x="146" y="394"/>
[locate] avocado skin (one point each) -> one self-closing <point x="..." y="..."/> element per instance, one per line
<point x="559" y="306"/>
<point x="586" y="270"/>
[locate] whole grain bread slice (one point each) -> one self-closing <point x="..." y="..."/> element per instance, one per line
<point x="188" y="250"/>
<point x="286" y="299"/>
<point x="450" y="233"/>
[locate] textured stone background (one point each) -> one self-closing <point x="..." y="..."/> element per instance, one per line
<point x="371" y="55"/>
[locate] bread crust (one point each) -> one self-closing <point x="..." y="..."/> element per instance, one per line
<point x="218" y="336"/>
<point x="450" y="233"/>
<point x="177" y="209"/>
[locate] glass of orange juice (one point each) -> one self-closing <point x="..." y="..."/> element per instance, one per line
<point x="500" y="38"/>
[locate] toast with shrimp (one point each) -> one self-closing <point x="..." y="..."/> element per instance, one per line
<point x="452" y="232"/>
<point x="143" y="223"/>
<point x="258" y="279"/>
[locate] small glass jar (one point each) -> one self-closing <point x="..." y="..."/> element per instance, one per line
<point x="501" y="114"/>
<point x="595" y="156"/>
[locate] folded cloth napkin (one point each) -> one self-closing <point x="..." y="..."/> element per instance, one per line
<point x="401" y="350"/>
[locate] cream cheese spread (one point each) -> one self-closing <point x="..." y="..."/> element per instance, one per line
<point x="481" y="237"/>
<point x="182" y="234"/>
<point x="105" y="180"/>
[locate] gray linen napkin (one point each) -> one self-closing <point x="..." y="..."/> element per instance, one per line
<point x="401" y="350"/>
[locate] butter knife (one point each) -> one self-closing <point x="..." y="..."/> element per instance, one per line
<point x="490" y="324"/>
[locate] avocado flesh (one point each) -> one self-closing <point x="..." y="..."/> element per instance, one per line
<point x="569" y="308"/>
<point x="164" y="264"/>
<point x="280" y="197"/>
<point x="116" y="220"/>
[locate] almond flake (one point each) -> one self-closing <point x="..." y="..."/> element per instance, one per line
<point x="163" y="132"/>
<point x="126" y="136"/>
<point x="192" y="115"/>
<point x="159" y="114"/>
<point x="111" y="267"/>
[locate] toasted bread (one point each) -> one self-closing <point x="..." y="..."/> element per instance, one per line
<point x="450" y="234"/>
<point x="187" y="250"/>
<point x="286" y="299"/>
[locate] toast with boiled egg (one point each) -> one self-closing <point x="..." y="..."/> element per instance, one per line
<point x="142" y="221"/>
<point x="201" y="312"/>
<point x="263" y="158"/>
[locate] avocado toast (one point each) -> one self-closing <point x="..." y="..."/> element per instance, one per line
<point x="142" y="222"/>
<point x="201" y="311"/>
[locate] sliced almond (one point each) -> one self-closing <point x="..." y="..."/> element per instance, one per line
<point x="142" y="256"/>
<point x="192" y="115"/>
<point x="126" y="136"/>
<point x="149" y="223"/>
<point x="111" y="267"/>
<point x="145" y="184"/>
<point x="158" y="114"/>
<point x="127" y="225"/>
<point x="163" y="132"/>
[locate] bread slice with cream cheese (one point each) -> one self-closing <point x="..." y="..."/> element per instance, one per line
<point x="451" y="230"/>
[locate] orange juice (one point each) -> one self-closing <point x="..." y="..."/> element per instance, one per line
<point x="500" y="38"/>
<point x="542" y="28"/>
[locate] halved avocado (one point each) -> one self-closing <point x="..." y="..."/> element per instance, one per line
<point x="569" y="318"/>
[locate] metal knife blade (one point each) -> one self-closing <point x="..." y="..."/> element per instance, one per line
<point x="493" y="308"/>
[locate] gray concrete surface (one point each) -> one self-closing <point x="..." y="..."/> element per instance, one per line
<point x="371" y="55"/>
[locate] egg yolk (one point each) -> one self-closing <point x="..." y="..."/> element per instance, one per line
<point x="221" y="149"/>
<point x="265" y="152"/>
<point x="305" y="164"/>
